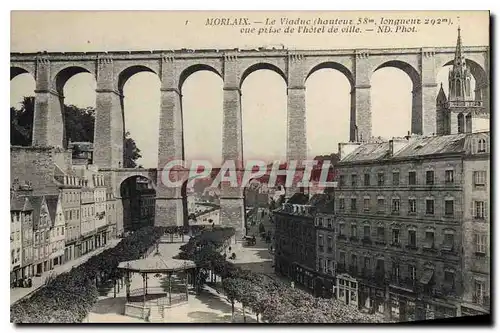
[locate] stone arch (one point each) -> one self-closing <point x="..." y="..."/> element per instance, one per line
<point x="259" y="66"/>
<point x="411" y="71"/>
<point x="66" y="73"/>
<point x="193" y="69"/>
<point x="18" y="70"/>
<point x="332" y="65"/>
<point x="130" y="71"/>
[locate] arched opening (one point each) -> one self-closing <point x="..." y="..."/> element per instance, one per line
<point x="328" y="109"/>
<point x="77" y="86"/>
<point x="140" y="90"/>
<point x="264" y="114"/>
<point x="264" y="127"/>
<point x="22" y="106"/>
<point x="396" y="100"/>
<point x="138" y="200"/>
<point x="479" y="88"/>
<point x="201" y="87"/>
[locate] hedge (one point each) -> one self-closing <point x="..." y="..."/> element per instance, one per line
<point x="70" y="296"/>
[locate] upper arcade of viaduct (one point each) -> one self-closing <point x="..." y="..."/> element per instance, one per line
<point x="112" y="70"/>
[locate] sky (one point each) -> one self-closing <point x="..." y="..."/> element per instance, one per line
<point x="263" y="92"/>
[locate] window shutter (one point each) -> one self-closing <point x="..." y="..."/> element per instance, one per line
<point x="485" y="209"/>
<point x="476" y="242"/>
<point x="472" y="209"/>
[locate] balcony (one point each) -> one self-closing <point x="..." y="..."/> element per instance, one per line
<point x="468" y="104"/>
<point x="396" y="245"/>
<point x="353" y="239"/>
<point x="380" y="242"/>
<point x="448" y="250"/>
<point x="406" y="283"/>
<point x="411" y="247"/>
<point x="481" y="300"/>
<point x="341" y="237"/>
<point x="367" y="241"/>
<point x="429" y="248"/>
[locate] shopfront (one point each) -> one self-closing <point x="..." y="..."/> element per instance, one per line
<point x="347" y="289"/>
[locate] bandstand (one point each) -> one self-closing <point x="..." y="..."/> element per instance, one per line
<point x="168" y="288"/>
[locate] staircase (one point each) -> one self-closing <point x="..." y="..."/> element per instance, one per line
<point x="156" y="314"/>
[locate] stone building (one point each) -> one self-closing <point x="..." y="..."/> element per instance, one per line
<point x="400" y="210"/>
<point x="476" y="225"/>
<point x="101" y="226"/>
<point x="57" y="230"/>
<point x="111" y="214"/>
<point x="87" y="221"/>
<point x="70" y="188"/>
<point x="42" y="222"/>
<point x="21" y="238"/>
<point x="295" y="240"/>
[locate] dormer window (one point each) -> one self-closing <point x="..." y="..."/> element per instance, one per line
<point x="481" y="146"/>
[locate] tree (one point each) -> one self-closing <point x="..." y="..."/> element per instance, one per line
<point x="130" y="152"/>
<point x="78" y="125"/>
<point x="230" y="287"/>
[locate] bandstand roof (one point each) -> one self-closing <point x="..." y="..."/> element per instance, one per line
<point x="156" y="264"/>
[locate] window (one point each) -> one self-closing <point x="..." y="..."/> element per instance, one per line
<point x="429" y="206"/>
<point x="380" y="266"/>
<point x="330" y="243"/>
<point x="448" y="176"/>
<point x="381" y="234"/>
<point x="342" y="258"/>
<point x="341" y="229"/>
<point x="320" y="240"/>
<point x="353" y="205"/>
<point x="321" y="265"/>
<point x="367" y="179"/>
<point x="341" y="203"/>
<point x="412" y="238"/>
<point x="412" y="206"/>
<point x="12" y="257"/>
<point x="367" y="263"/>
<point x="412" y="178"/>
<point x="395" y="178"/>
<point x="479" y="210"/>
<point x="480" y="241"/>
<point x="448" y="241"/>
<point x="481" y="146"/>
<point x="329" y="221"/>
<point x="479" y="178"/>
<point x="395" y="236"/>
<point x="354" y="261"/>
<point x="366" y="232"/>
<point x="381" y="179"/>
<point x="395" y="271"/>
<point x="341" y="180"/>
<point x="380" y="205"/>
<point x="412" y="272"/>
<point x="366" y="204"/>
<point x="354" y="180"/>
<point x="479" y="289"/>
<point x="448" y="207"/>
<point x="395" y="205"/>
<point x="354" y="231"/>
<point x="429" y="239"/>
<point x="429" y="177"/>
<point x="449" y="278"/>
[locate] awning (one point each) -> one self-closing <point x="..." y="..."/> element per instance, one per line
<point x="427" y="276"/>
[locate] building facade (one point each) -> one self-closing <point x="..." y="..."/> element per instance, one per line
<point x="42" y="223"/>
<point x="401" y="210"/>
<point x="57" y="232"/>
<point x="295" y="241"/>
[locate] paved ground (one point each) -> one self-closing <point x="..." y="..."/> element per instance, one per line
<point x="208" y="307"/>
<point x="19" y="293"/>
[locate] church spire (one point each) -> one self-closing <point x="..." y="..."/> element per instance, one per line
<point x="459" y="77"/>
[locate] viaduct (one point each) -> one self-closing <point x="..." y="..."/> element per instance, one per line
<point x="112" y="70"/>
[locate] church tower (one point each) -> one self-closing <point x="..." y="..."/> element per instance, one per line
<point x="456" y="113"/>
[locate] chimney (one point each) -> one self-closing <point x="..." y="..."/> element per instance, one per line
<point x="345" y="148"/>
<point x="396" y="144"/>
